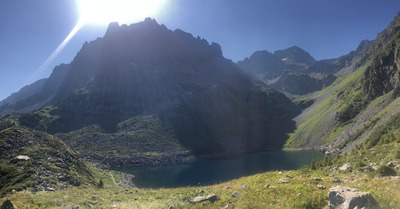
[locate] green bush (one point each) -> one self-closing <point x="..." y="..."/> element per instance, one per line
<point x="384" y="170"/>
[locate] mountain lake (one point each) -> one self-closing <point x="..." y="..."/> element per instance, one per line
<point x="206" y="171"/>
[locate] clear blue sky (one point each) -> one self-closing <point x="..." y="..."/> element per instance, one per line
<point x="32" y="29"/>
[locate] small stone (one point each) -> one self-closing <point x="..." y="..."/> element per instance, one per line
<point x="317" y="179"/>
<point x="170" y="207"/>
<point x="289" y="177"/>
<point x="283" y="180"/>
<point x="236" y="194"/>
<point x="244" y="186"/>
<point x="336" y="180"/>
<point x="22" y="157"/>
<point x="227" y="187"/>
<point x="210" y="197"/>
<point x="369" y="169"/>
<point x="280" y="172"/>
<point x="225" y="207"/>
<point x="321" y="186"/>
<point x="267" y="186"/>
<point x="345" y="167"/>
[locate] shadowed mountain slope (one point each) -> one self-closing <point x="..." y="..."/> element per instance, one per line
<point x="183" y="84"/>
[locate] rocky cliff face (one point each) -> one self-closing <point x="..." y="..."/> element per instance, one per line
<point x="207" y="103"/>
<point x="384" y="73"/>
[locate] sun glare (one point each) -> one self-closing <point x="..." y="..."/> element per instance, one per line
<point x="121" y="11"/>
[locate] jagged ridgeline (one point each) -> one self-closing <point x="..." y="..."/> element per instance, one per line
<point x="361" y="107"/>
<point x="144" y="89"/>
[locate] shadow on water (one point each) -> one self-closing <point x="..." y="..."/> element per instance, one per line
<point x="212" y="171"/>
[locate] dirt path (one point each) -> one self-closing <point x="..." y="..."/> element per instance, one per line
<point x="112" y="177"/>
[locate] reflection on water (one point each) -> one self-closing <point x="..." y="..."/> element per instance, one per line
<point x="211" y="171"/>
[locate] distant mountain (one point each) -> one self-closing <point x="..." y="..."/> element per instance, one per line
<point x="291" y="70"/>
<point x="164" y="88"/>
<point x="295" y="56"/>
<point x="264" y="65"/>
<point x="361" y="108"/>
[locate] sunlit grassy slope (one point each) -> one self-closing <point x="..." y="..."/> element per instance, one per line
<point x="319" y="125"/>
<point x="257" y="191"/>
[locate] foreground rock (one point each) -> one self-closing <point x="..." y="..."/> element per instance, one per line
<point x="8" y="205"/>
<point x="210" y="197"/>
<point x="347" y="197"/>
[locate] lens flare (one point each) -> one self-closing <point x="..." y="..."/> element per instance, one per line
<point x="55" y="53"/>
<point x="104" y="12"/>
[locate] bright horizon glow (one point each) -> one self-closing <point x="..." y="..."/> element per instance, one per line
<point x="121" y="11"/>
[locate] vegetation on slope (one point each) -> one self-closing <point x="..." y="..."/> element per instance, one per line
<point x="35" y="160"/>
<point x="305" y="188"/>
<point x="333" y="111"/>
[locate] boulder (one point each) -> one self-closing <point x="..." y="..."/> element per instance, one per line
<point x="22" y="157"/>
<point x="236" y="194"/>
<point x="210" y="197"/>
<point x="345" y="167"/>
<point x="336" y="180"/>
<point x="283" y="180"/>
<point x="8" y="205"/>
<point x="391" y="164"/>
<point x="347" y="197"/>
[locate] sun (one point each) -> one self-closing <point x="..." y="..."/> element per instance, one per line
<point x="121" y="11"/>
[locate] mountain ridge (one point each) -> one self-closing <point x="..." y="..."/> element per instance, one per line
<point x="166" y="79"/>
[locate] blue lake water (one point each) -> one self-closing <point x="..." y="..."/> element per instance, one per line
<point x="212" y="171"/>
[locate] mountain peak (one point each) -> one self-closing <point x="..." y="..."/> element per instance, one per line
<point x="295" y="55"/>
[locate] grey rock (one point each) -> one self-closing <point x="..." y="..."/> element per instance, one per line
<point x="283" y="180"/>
<point x="225" y="207"/>
<point x="22" y="157"/>
<point x="347" y="197"/>
<point x="267" y="186"/>
<point x="317" y="179"/>
<point x="321" y="186"/>
<point x="345" y="167"/>
<point x="8" y="205"/>
<point x="391" y="164"/>
<point x="336" y="180"/>
<point x="236" y="194"/>
<point x="210" y="197"/>
<point x="369" y="169"/>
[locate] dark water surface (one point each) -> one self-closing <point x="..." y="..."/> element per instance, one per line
<point x="212" y="171"/>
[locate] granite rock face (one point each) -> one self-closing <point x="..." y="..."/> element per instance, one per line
<point x="349" y="198"/>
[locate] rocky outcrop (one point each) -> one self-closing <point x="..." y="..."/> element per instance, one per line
<point x="349" y="198"/>
<point x="29" y="159"/>
<point x="383" y="75"/>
